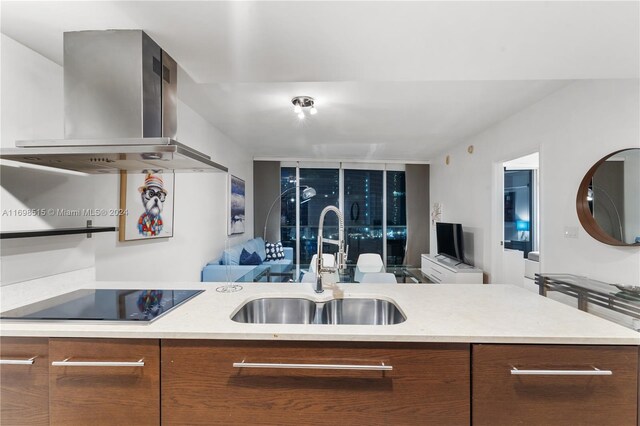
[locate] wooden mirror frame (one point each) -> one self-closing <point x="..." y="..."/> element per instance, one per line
<point x="584" y="213"/>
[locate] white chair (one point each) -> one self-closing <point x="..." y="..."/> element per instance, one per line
<point x="368" y="262"/>
<point x="327" y="260"/>
<point x="308" y="277"/>
<point x="378" y="278"/>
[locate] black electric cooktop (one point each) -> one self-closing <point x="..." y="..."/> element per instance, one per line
<point x="104" y="305"/>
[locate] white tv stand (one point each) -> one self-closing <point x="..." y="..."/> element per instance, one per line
<point x="442" y="269"/>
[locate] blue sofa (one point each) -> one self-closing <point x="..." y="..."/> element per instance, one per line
<point x="227" y="267"/>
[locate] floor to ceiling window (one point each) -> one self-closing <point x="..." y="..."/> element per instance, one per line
<point x="326" y="182"/>
<point x="396" y="217"/>
<point x="363" y="208"/>
<point x="373" y="203"/>
<point x="288" y="216"/>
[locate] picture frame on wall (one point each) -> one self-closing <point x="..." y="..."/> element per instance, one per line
<point x="236" y="219"/>
<point x="146" y="204"/>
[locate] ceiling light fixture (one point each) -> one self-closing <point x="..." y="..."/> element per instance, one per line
<point x="300" y="103"/>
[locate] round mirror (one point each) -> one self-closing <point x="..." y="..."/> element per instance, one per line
<point x="608" y="199"/>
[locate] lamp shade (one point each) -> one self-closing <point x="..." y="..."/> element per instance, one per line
<point x="522" y="225"/>
<point x="305" y="196"/>
<point x="307" y="193"/>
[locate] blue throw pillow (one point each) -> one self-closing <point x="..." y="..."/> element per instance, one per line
<point x="275" y="251"/>
<point x="250" y="259"/>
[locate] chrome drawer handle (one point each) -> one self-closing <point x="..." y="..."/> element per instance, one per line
<point x="594" y="372"/>
<point x="17" y="361"/>
<point x="381" y="367"/>
<point x="67" y="363"/>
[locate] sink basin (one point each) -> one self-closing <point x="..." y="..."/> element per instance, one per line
<point x="361" y="312"/>
<point x="277" y="311"/>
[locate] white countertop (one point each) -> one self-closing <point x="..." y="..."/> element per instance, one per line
<point x="435" y="313"/>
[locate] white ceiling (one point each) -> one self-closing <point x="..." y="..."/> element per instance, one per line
<point x="393" y="80"/>
<point x="364" y="120"/>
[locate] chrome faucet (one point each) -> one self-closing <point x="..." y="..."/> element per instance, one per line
<point x="341" y="256"/>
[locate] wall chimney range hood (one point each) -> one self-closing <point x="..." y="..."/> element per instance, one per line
<point x="120" y="110"/>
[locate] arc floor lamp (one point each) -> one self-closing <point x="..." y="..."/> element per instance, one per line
<point x="307" y="194"/>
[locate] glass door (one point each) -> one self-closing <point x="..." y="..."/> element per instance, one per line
<point x="518" y="210"/>
<point x="327" y="185"/>
<point x="396" y="217"/>
<point x="373" y="203"/>
<point x="288" y="234"/>
<point x="363" y="208"/>
<point x="326" y="182"/>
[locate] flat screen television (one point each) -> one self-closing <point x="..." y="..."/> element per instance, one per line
<point x="450" y="240"/>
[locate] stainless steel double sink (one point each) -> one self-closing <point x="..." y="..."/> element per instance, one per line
<point x="352" y="311"/>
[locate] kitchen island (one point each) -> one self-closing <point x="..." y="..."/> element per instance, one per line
<point x="491" y="354"/>
<point x="434" y="313"/>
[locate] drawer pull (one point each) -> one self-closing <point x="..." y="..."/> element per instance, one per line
<point x="17" y="361"/>
<point x="381" y="367"/>
<point x="67" y="363"/>
<point x="594" y="372"/>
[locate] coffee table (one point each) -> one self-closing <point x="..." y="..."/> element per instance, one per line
<point x="267" y="272"/>
<point x="294" y="273"/>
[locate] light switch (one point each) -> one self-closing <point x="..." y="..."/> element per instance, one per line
<point x="571" y="232"/>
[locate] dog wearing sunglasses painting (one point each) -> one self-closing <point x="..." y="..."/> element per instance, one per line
<point x="153" y="195"/>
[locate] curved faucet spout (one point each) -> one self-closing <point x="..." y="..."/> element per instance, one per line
<point x="341" y="255"/>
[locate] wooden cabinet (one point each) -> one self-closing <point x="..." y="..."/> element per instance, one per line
<point x="448" y="271"/>
<point x="243" y="382"/>
<point x="24" y="381"/>
<point x="549" y="384"/>
<point x="63" y="381"/>
<point x="104" y="381"/>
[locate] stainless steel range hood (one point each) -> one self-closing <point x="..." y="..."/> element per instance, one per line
<point x="120" y="109"/>
<point x="112" y="155"/>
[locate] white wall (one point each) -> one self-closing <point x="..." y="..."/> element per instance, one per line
<point x="32" y="108"/>
<point x="200" y="214"/>
<point x="572" y="129"/>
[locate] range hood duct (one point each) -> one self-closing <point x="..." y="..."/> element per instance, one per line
<point x="120" y="109"/>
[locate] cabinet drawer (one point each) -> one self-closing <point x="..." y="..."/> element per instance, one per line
<point x="548" y="384"/>
<point x="24" y="381"/>
<point x="427" y="383"/>
<point x="434" y="272"/>
<point x="102" y="381"/>
<point x="439" y="273"/>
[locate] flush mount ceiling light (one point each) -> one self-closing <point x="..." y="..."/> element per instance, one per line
<point x="300" y="103"/>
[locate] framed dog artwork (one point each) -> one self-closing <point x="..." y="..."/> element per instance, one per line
<point x="147" y="199"/>
<point x="236" y="205"/>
